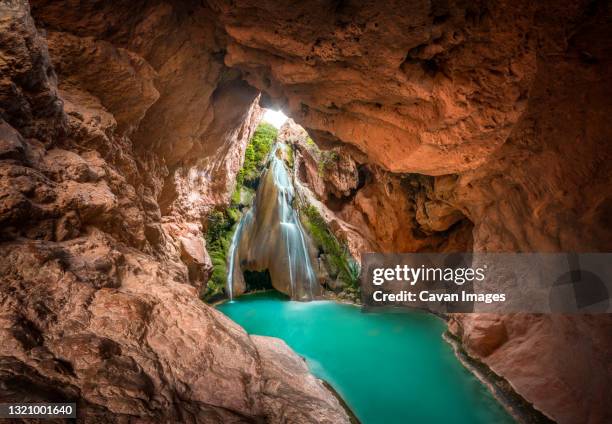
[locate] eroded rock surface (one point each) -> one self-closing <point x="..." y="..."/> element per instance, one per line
<point x="373" y="210"/>
<point x="527" y="145"/>
<point x="124" y="123"/>
<point x="428" y="87"/>
<point x="287" y="378"/>
<point x="112" y="149"/>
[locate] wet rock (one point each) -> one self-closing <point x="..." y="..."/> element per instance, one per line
<point x="290" y="390"/>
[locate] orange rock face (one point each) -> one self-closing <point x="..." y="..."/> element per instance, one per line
<point x="112" y="150"/>
<point x="123" y="124"/>
<point x="374" y="210"/>
<point x="512" y="98"/>
<point x="416" y="86"/>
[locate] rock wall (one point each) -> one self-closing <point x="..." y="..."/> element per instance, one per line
<point x="547" y="189"/>
<point x="505" y="104"/>
<point x="120" y="128"/>
<point x="418" y="86"/>
<point x="374" y="210"/>
<point x="123" y="123"/>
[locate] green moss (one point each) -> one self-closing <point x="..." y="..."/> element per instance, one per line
<point x="236" y="196"/>
<point x="326" y="160"/>
<point x="256" y="153"/>
<point x="219" y="231"/>
<point x="290" y="159"/>
<point x="216" y="284"/>
<point x="337" y="252"/>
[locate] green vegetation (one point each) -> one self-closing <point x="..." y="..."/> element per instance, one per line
<point x="326" y="159"/>
<point x="236" y="197"/>
<point x="255" y="155"/>
<point x="336" y="252"/>
<point x="290" y="159"/>
<point x="218" y="240"/>
<point x="222" y="223"/>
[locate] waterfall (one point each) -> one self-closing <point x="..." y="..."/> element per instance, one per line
<point x="298" y="257"/>
<point x="233" y="257"/>
<point x="270" y="236"/>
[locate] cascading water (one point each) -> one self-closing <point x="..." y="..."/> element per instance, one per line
<point x="270" y="236"/>
<point x="233" y="257"/>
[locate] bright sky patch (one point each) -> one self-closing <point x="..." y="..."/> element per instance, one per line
<point x="275" y="117"/>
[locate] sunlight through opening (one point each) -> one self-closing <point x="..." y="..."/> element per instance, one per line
<point x="275" y="117"/>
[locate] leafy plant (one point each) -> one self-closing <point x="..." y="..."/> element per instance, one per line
<point x="216" y="283"/>
<point x="352" y="273"/>
<point x="235" y="200"/>
<point x="220" y="228"/>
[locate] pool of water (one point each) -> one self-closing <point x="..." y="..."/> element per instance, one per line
<point x="388" y="367"/>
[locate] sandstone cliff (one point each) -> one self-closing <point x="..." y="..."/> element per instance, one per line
<point x="124" y="123"/>
<point x="113" y="147"/>
<point x="504" y="104"/>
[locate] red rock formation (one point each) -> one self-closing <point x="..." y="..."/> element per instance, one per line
<point x="286" y="374"/>
<point x="374" y="210"/>
<point x="112" y="148"/>
<point x="116" y="141"/>
<point x="513" y="98"/>
<point x="547" y="189"/>
<point x="415" y="85"/>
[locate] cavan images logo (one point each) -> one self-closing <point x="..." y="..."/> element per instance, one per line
<point x="489" y="282"/>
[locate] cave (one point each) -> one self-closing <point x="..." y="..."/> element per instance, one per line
<point x="436" y="127"/>
<point x="257" y="280"/>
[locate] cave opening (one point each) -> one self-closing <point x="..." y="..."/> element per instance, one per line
<point x="257" y="280"/>
<point x="275" y="117"/>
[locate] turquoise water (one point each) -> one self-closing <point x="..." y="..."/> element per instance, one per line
<point x="388" y="367"/>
